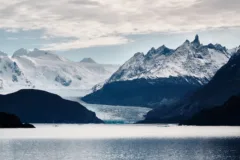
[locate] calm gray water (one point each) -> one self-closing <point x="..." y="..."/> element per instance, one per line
<point x="121" y="149"/>
<point x="120" y="142"/>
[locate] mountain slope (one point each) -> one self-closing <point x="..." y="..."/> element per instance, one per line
<point x="158" y="76"/>
<point x="11" y="74"/>
<point x="225" y="115"/>
<point x="44" y="70"/>
<point x="223" y="85"/>
<point x="34" y="106"/>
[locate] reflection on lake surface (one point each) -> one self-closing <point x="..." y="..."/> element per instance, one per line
<point x="126" y="149"/>
<point x="120" y="142"/>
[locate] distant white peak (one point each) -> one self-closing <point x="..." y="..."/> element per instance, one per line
<point x="37" y="52"/>
<point x="47" y="55"/>
<point x="20" y="52"/>
<point x="2" y="53"/>
<point x="87" y="60"/>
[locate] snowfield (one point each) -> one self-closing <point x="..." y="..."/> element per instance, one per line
<point x="47" y="71"/>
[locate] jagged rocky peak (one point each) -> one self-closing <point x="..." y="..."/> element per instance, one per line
<point x="186" y="43"/>
<point x="196" y="42"/>
<point x="87" y="60"/>
<point x="151" y="51"/>
<point x="160" y="50"/>
<point x="164" y="50"/>
<point x="217" y="46"/>
<point x="186" y="60"/>
<point x="20" y="52"/>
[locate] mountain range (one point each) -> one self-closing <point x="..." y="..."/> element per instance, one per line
<point x="177" y="83"/>
<point x="162" y="76"/>
<point x="224" y="84"/>
<point x="44" y="70"/>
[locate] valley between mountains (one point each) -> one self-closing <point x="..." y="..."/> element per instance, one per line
<point x="190" y="81"/>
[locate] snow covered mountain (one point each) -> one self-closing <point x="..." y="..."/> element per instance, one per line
<point x="224" y="84"/>
<point x="190" y="59"/>
<point x="47" y="71"/>
<point x="10" y="74"/>
<point x="161" y="73"/>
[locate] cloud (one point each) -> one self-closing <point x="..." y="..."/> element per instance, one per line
<point x="11" y="30"/>
<point x="102" y="41"/>
<point x="84" y="2"/>
<point x="12" y="38"/>
<point x="115" y="19"/>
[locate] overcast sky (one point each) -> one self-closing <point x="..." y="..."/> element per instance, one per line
<point x="111" y="31"/>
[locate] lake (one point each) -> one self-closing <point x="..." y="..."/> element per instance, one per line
<point x="120" y="142"/>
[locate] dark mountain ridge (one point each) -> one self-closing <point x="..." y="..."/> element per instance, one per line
<point x="12" y="121"/>
<point x="225" y="115"/>
<point x="35" y="106"/>
<point x="142" y="92"/>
